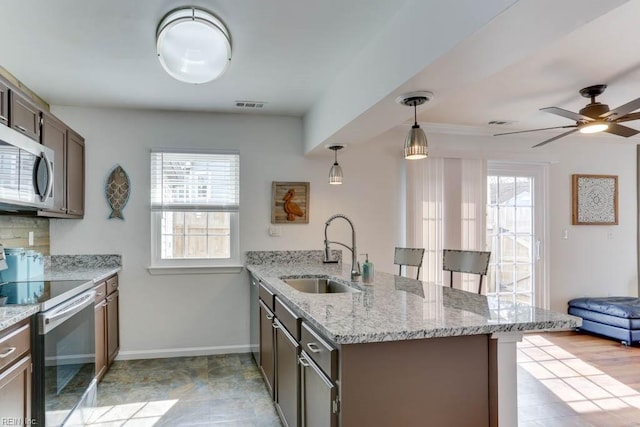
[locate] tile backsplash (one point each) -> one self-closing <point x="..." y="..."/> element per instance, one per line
<point x="14" y="232"/>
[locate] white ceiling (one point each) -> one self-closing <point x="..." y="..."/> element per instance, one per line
<point x="490" y="60"/>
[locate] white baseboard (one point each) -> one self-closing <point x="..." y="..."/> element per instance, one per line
<point x="181" y="352"/>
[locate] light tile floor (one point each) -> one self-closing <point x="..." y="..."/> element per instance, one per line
<point x="225" y="390"/>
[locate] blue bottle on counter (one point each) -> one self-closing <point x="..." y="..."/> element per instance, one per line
<point x="16" y="265"/>
<point x="367" y="270"/>
<point x="35" y="265"/>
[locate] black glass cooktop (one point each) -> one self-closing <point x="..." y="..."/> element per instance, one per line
<point x="46" y="293"/>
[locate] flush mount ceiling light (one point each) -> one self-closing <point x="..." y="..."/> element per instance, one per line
<point x="415" y="145"/>
<point x="335" y="174"/>
<point x="193" y="46"/>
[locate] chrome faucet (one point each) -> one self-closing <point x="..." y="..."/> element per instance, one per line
<point x="355" y="265"/>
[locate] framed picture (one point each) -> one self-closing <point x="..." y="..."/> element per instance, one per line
<point x="595" y="200"/>
<point x="290" y="203"/>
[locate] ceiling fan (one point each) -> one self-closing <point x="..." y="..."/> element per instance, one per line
<point x="594" y="117"/>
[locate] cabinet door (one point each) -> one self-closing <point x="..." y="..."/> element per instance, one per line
<point x="113" y="330"/>
<point x="254" y="319"/>
<point x="54" y="136"/>
<point x="15" y="391"/>
<point x="288" y="376"/>
<point x="25" y="116"/>
<point x="267" y="367"/>
<point x="4" y="104"/>
<point x="319" y="404"/>
<point x="101" y="339"/>
<point x="75" y="173"/>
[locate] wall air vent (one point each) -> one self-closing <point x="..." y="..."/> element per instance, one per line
<point x="250" y="104"/>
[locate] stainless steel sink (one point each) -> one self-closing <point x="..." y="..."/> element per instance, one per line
<point x="316" y="285"/>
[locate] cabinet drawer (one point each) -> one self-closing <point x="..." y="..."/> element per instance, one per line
<point x="112" y="285"/>
<point x="101" y="291"/>
<point x="14" y="344"/>
<point x="323" y="353"/>
<point x="266" y="296"/>
<point x="288" y="318"/>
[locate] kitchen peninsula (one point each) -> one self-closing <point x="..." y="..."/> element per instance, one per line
<point x="407" y="352"/>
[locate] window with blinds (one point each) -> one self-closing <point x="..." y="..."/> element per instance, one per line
<point x="195" y="199"/>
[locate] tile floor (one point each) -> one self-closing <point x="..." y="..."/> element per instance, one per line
<point x="555" y="388"/>
<point x="225" y="390"/>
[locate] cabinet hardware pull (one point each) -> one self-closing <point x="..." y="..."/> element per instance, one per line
<point x="269" y="316"/>
<point x="109" y="299"/>
<point x="8" y="352"/>
<point x="4" y="118"/>
<point x="23" y="129"/>
<point x="275" y="326"/>
<point x="314" y="347"/>
<point x="99" y="294"/>
<point x="303" y="362"/>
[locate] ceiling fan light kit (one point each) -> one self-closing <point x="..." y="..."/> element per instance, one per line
<point x="593" y="118"/>
<point x="415" y="144"/>
<point x="193" y="45"/>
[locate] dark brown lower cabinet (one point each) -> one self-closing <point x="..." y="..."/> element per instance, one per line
<point x="113" y="326"/>
<point x="318" y="395"/>
<point x="15" y="391"/>
<point x="267" y="367"/>
<point x="287" y="376"/>
<point x="101" y="330"/>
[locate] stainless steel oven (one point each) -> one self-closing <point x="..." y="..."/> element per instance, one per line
<point x="64" y="362"/>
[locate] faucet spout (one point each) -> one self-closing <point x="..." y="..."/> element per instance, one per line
<point x="355" y="265"/>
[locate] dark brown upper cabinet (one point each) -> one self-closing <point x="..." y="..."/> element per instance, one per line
<point x="4" y="104"/>
<point x="68" y="195"/>
<point x="24" y="115"/>
<point x="75" y="174"/>
<point x="54" y="136"/>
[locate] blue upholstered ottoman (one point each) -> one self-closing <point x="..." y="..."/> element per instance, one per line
<point x="614" y="317"/>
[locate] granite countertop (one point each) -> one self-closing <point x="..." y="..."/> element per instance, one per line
<point x="394" y="308"/>
<point x="9" y="316"/>
<point x="80" y="273"/>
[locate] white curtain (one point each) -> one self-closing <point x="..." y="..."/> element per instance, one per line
<point x="446" y="201"/>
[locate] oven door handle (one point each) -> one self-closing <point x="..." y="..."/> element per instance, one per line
<point x="48" y="321"/>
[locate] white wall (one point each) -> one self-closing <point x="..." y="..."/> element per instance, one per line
<point x="210" y="313"/>
<point x="594" y="260"/>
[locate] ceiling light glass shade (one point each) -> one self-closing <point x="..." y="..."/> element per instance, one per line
<point x="415" y="146"/>
<point x="335" y="174"/>
<point x="193" y="46"/>
<point x="594" y="127"/>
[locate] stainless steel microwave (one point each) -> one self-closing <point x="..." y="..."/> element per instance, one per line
<point x="26" y="172"/>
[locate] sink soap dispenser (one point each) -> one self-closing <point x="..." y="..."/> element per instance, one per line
<point x="367" y="270"/>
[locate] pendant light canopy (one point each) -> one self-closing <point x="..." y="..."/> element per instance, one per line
<point x="335" y="174"/>
<point x="415" y="145"/>
<point x="193" y="45"/>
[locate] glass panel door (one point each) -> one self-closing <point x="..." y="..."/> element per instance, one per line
<point x="515" y="228"/>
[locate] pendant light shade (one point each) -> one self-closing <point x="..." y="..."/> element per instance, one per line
<point x="193" y="46"/>
<point x="415" y="144"/>
<point x="335" y="174"/>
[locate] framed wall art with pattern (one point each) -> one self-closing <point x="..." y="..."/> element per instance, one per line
<point x="595" y="200"/>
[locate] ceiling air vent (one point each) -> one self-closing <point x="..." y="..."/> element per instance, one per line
<point x="501" y="122"/>
<point x="250" y="104"/>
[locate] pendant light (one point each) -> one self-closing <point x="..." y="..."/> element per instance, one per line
<point x="193" y="46"/>
<point x="415" y="145"/>
<point x="335" y="174"/>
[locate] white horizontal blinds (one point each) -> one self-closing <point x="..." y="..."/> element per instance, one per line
<point x="195" y="181"/>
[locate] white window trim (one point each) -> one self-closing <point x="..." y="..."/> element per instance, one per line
<point x="159" y="266"/>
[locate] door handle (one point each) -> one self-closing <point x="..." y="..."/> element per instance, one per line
<point x="313" y="347"/>
<point x="22" y="128"/>
<point x="303" y="361"/>
<point x="8" y="352"/>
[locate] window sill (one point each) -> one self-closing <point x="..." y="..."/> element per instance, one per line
<point x="222" y="269"/>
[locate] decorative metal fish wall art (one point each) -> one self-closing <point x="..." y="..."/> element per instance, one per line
<point x="117" y="191"/>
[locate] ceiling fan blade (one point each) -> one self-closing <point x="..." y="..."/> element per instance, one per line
<point x="566" y="113"/>
<point x="628" y="118"/>
<point x="535" y="130"/>
<point x="623" y="109"/>
<point x="555" y="137"/>
<point x="620" y="130"/>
